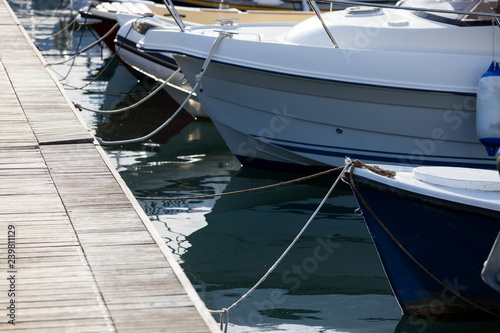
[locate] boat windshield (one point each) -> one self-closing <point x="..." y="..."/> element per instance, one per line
<point x="477" y="6"/>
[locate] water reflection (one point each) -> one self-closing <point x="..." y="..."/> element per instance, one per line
<point x="155" y="111"/>
<point x="246" y="233"/>
<point x="333" y="267"/>
<point x="194" y="162"/>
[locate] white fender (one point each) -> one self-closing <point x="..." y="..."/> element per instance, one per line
<point x="488" y="109"/>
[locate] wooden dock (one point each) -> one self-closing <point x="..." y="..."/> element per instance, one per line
<point x="77" y="252"/>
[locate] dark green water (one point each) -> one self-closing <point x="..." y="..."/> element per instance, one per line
<point x="331" y="281"/>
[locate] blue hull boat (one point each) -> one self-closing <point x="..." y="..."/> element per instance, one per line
<point x="433" y="228"/>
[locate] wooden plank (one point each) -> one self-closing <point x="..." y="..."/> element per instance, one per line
<point x="83" y="325"/>
<point x="87" y="257"/>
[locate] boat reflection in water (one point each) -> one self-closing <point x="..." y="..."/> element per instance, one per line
<point x="194" y="162"/>
<point x="330" y="271"/>
<point x="246" y="233"/>
<point x="225" y="245"/>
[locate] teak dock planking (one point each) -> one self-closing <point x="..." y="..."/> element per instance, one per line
<point x="77" y="252"/>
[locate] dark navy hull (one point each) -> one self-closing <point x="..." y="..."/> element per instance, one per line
<point x="434" y="261"/>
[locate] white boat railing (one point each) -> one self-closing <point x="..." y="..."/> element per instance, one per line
<point x="316" y="10"/>
<point x="175" y="14"/>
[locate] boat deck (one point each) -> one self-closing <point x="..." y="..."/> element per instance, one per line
<point x="77" y="252"/>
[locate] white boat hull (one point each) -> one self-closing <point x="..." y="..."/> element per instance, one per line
<point x="175" y="88"/>
<point x="156" y="66"/>
<point x="272" y="118"/>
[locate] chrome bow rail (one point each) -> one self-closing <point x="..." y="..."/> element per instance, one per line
<point x="175" y="14"/>
<point x="316" y="10"/>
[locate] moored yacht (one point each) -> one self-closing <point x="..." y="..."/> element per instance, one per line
<point x="385" y="85"/>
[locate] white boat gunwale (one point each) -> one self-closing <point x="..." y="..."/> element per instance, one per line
<point x="486" y="202"/>
<point x="337" y="55"/>
<point x="303" y="76"/>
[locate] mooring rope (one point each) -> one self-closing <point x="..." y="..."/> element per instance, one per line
<point x="106" y="35"/>
<point x="199" y="77"/>
<point x="148" y="136"/>
<point x="148" y="96"/>
<point x="105" y="67"/>
<point x="224" y="313"/>
<point x="222" y="35"/>
<point x="260" y="188"/>
<point x="59" y="32"/>
<point x="73" y="62"/>
<point x="356" y="163"/>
